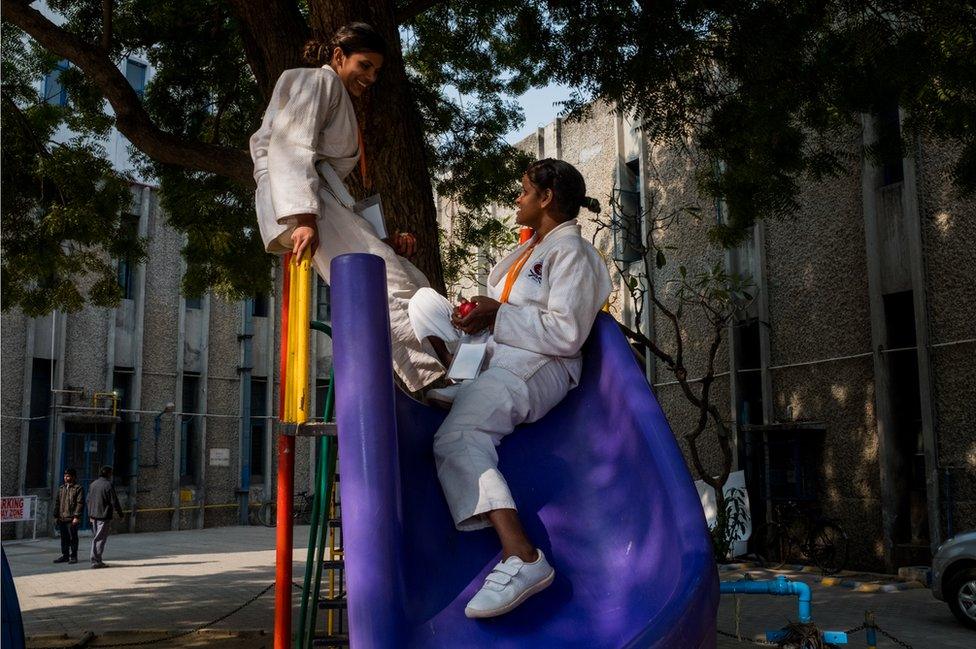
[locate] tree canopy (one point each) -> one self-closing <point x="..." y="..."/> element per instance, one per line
<point x="767" y="88"/>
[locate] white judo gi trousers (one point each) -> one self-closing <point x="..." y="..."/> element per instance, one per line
<point x="485" y="410"/>
<point x="342" y="231"/>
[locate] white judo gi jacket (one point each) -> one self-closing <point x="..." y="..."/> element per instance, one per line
<point x="534" y="360"/>
<point x="307" y="143"/>
<point x="552" y="305"/>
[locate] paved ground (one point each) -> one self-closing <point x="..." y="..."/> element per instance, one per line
<point x="913" y="616"/>
<point x="179" y="580"/>
<point x="165" y="580"/>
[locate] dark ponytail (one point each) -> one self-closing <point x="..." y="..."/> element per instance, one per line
<point x="567" y="185"/>
<point x="351" y="38"/>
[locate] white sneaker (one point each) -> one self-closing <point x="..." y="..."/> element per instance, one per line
<point x="510" y="583"/>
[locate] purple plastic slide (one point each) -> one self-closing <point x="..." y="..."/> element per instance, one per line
<point x="600" y="484"/>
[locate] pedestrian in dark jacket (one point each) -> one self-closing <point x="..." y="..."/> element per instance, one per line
<point x="102" y="500"/>
<point x="69" y="504"/>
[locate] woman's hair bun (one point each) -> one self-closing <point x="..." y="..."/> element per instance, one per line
<point x="316" y="52"/>
<point x="350" y="38"/>
<point x="591" y="204"/>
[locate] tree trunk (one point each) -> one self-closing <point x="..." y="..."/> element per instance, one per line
<point x="392" y="132"/>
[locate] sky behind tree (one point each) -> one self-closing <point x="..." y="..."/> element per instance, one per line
<point x="539" y="108"/>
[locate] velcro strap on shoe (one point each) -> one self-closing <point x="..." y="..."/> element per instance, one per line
<point x="507" y="568"/>
<point x="498" y="578"/>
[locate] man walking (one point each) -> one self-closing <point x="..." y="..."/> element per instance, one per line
<point x="102" y="500"/>
<point x="68" y="506"/>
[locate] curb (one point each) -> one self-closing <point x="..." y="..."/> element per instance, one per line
<point x="856" y="586"/>
<point x="868" y="587"/>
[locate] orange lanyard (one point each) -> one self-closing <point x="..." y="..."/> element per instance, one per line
<point x="362" y="161"/>
<point x="514" y="271"/>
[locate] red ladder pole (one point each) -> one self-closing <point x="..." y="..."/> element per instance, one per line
<point x="286" y="488"/>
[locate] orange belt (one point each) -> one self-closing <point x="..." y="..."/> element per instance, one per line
<point x="362" y="161"/>
<point x="514" y="271"/>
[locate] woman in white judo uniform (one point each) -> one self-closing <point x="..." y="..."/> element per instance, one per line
<point x="543" y="299"/>
<point x="307" y="143"/>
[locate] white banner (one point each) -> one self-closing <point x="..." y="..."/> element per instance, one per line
<point x="18" y="508"/>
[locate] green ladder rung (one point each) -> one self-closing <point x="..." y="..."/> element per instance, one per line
<point x="337" y="640"/>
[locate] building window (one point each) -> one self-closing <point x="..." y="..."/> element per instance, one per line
<point x="125" y="279"/>
<point x="749" y="374"/>
<point x="124" y="267"/>
<point x="190" y="430"/>
<point x="259" y="426"/>
<point x="54" y="92"/>
<point x="627" y="215"/>
<point x="122" y="384"/>
<point x="38" y="436"/>
<point x="905" y="436"/>
<point x="323" y="304"/>
<point x="135" y="74"/>
<point x="259" y="305"/>
<point x="889" y="145"/>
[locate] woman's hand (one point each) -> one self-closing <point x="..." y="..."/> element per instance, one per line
<point x="305" y="235"/>
<point x="480" y="318"/>
<point x="403" y="244"/>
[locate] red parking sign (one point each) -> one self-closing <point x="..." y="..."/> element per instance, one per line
<point x="14" y="508"/>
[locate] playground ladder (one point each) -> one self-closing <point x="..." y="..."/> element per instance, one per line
<point x="324" y="536"/>
<point x="325" y="530"/>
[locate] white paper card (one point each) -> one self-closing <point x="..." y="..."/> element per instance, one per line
<point x="467" y="361"/>
<point x="220" y="457"/>
<point x="371" y="209"/>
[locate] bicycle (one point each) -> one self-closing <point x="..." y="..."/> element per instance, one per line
<point x="795" y="534"/>
<point x="301" y="510"/>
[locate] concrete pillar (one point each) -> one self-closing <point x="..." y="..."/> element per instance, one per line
<point x="178" y="400"/>
<point x="25" y="410"/>
<point x="913" y="233"/>
<point x="138" y="334"/>
<point x="204" y="383"/>
<point x="887" y="450"/>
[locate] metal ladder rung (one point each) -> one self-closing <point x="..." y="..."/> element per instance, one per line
<point x="336" y="640"/>
<point x="309" y="429"/>
<point x="332" y="603"/>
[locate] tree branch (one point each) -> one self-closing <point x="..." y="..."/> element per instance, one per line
<point x="410" y="11"/>
<point x="131" y="118"/>
<point x="107" y="24"/>
<point x="649" y="344"/>
<point x="273" y="33"/>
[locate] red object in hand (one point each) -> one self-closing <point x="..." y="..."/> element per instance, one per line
<point x="465" y="308"/>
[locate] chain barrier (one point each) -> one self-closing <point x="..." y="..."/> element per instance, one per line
<point x="181" y="634"/>
<point x="900" y="643"/>
<point x="761" y="643"/>
<point x="859" y="627"/>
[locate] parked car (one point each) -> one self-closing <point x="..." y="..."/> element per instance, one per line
<point x="954" y="576"/>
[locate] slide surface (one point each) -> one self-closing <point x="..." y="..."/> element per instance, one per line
<point x="600" y="483"/>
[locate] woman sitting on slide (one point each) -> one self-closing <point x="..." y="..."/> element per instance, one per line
<point x="543" y="300"/>
<point x="307" y="143"/>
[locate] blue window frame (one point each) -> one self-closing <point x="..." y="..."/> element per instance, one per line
<point x="135" y="74"/>
<point x="54" y="92"/>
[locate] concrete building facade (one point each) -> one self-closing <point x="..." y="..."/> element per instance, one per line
<point x="178" y="394"/>
<point x="848" y="381"/>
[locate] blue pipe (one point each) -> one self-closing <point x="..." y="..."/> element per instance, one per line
<point x="779" y="586"/>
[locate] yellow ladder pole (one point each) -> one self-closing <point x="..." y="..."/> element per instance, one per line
<point x="301" y="346"/>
